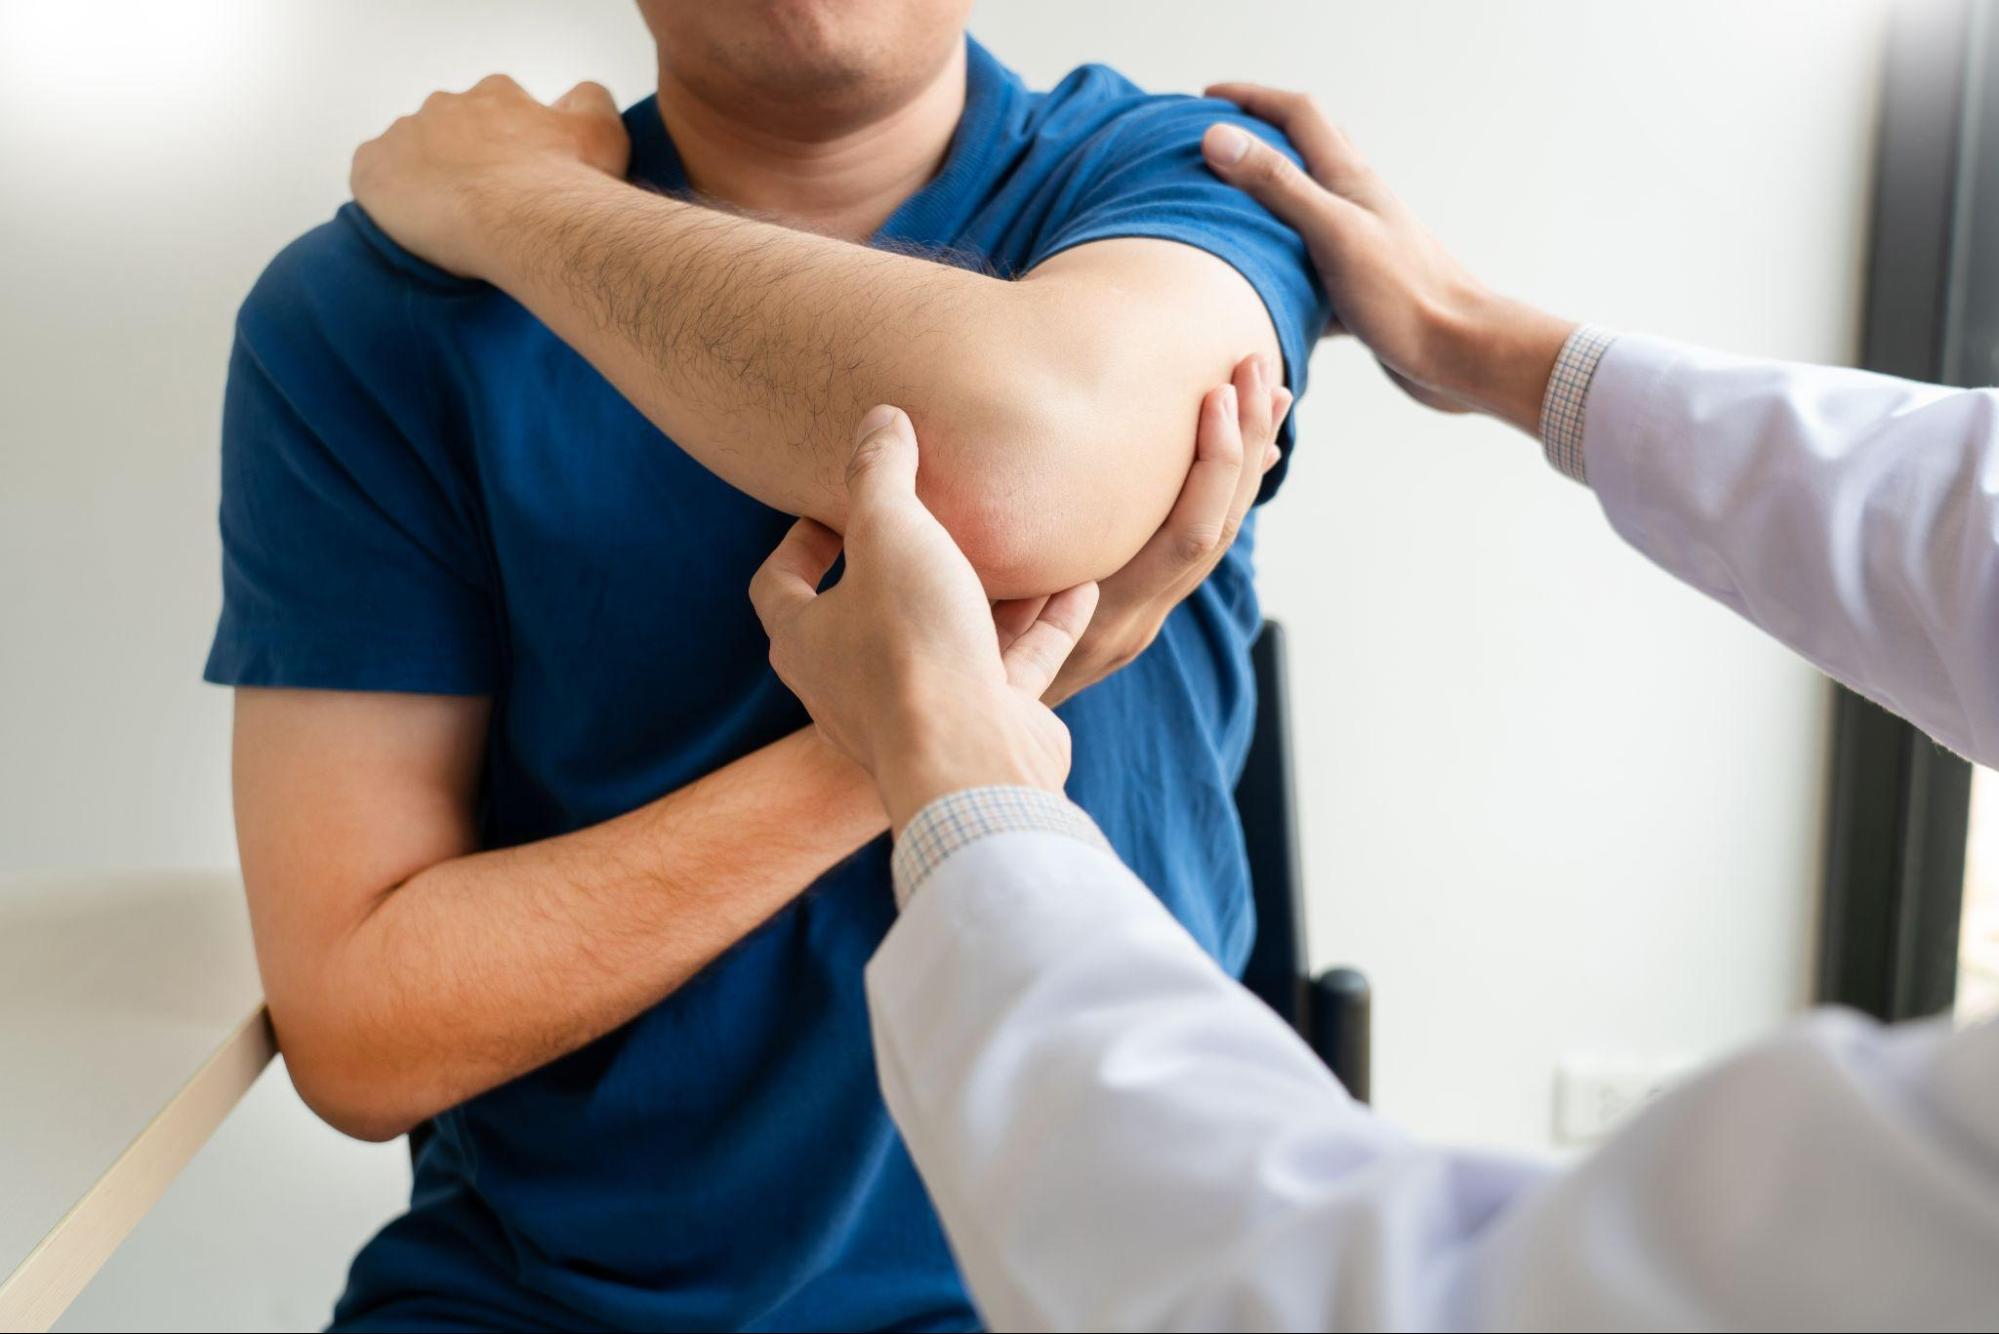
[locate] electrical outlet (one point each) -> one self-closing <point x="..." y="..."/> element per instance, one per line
<point x="1593" y="1092"/>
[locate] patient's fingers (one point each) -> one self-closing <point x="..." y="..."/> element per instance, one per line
<point x="494" y="83"/>
<point x="1280" y="408"/>
<point x="1193" y="530"/>
<point x="1261" y="447"/>
<point x="1012" y="617"/>
<point x="1257" y="428"/>
<point x="1198" y="523"/>
<point x="1255" y="382"/>
<point x="1036" y="656"/>
<point x="589" y="98"/>
<point x="789" y="578"/>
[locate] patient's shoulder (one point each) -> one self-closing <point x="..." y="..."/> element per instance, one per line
<point x="349" y="335"/>
<point x="1091" y="99"/>
<point x="1095" y="102"/>
<point x="346" y="284"/>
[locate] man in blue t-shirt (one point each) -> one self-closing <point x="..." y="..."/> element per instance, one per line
<point x="539" y="852"/>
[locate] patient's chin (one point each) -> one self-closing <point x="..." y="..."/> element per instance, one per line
<point x="807" y="66"/>
<point x="829" y="81"/>
<point x="826" y="81"/>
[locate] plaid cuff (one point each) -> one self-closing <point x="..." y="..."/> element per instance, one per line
<point x="1567" y="400"/>
<point x="952" y="821"/>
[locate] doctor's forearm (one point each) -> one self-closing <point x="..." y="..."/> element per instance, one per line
<point x="1116" y="1134"/>
<point x="1854" y="517"/>
<point x="1494" y="355"/>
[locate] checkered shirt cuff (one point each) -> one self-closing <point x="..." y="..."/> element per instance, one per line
<point x="952" y="821"/>
<point x="1567" y="400"/>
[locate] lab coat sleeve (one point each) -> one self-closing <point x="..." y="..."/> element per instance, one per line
<point x="1837" y="1175"/>
<point x="1852" y="516"/>
<point x="1118" y="1136"/>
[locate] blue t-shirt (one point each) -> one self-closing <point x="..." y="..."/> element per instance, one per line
<point x="426" y="490"/>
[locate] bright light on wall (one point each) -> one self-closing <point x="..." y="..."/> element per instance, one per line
<point x="86" y="66"/>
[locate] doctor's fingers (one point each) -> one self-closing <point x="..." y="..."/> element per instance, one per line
<point x="1276" y="182"/>
<point x="1329" y="155"/>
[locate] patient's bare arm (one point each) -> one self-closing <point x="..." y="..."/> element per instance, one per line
<point x="1057" y="411"/>
<point x="407" y="971"/>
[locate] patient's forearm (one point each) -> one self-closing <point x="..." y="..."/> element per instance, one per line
<point x="1057" y="413"/>
<point x="486" y="966"/>
<point x="755" y="347"/>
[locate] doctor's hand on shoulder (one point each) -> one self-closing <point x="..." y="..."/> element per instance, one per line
<point x="1442" y="335"/>
<point x="1839" y="511"/>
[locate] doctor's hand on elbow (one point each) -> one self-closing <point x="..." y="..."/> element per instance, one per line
<point x="1441" y="334"/>
<point x="1235" y="444"/>
<point x="899" y="663"/>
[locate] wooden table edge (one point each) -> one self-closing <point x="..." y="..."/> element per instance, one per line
<point x="44" y="1284"/>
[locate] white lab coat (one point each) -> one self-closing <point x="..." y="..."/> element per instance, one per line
<point x="1119" y="1137"/>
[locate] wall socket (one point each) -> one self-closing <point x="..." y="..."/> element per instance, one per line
<point x="1595" y="1091"/>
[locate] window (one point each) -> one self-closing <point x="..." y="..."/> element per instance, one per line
<point x="1978" y="935"/>
<point x="1911" y="915"/>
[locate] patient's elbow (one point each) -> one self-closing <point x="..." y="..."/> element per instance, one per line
<point x="346" y="1086"/>
<point x="1013" y="481"/>
<point x="1014" y="554"/>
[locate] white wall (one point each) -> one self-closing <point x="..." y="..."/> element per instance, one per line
<point x="1551" y="802"/>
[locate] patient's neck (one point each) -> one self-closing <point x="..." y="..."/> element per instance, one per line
<point x="841" y="179"/>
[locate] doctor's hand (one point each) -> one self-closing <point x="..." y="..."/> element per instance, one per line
<point x="1439" y="332"/>
<point x="899" y="663"/>
<point x="439" y="181"/>
<point x="1235" y="444"/>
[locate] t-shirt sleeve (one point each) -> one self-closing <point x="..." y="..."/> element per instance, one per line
<point x="1142" y="175"/>
<point x="350" y="554"/>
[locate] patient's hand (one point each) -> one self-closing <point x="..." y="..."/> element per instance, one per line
<point x="898" y="663"/>
<point x="1235" y="446"/>
<point x="440" y="181"/>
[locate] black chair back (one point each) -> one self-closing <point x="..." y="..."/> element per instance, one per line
<point x="1331" y="1011"/>
<point x="1266" y="802"/>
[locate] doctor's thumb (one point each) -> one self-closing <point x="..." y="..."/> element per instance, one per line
<point x="883" y="466"/>
<point x="1263" y="173"/>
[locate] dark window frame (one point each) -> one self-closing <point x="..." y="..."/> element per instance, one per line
<point x="1900" y="804"/>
